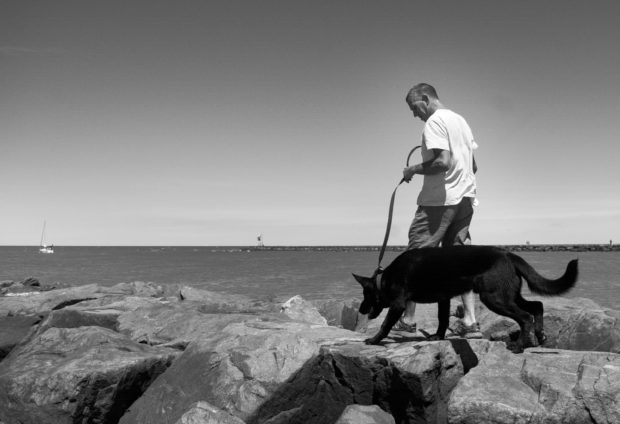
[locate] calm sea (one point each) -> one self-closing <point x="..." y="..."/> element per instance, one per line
<point x="266" y="274"/>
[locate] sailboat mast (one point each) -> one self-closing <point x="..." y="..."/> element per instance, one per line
<point x="42" y="234"/>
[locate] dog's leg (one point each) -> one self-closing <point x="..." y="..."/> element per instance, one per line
<point x="536" y="309"/>
<point x="394" y="313"/>
<point x="443" y="314"/>
<point x="503" y="304"/>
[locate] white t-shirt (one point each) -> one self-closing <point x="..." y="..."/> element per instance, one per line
<point x="448" y="130"/>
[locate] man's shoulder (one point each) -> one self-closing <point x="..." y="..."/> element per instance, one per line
<point x="446" y="114"/>
<point x="447" y="118"/>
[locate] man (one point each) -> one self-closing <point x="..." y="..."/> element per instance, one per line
<point x="447" y="196"/>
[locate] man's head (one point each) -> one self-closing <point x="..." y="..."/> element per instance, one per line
<point x="423" y="101"/>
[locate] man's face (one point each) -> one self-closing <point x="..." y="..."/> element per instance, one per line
<point x="419" y="107"/>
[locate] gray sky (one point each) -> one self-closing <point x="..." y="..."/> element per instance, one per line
<point x="207" y="123"/>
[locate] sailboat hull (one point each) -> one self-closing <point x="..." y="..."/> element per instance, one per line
<point x="44" y="248"/>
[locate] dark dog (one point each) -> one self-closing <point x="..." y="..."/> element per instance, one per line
<point x="437" y="274"/>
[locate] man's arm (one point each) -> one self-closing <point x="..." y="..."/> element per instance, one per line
<point x="439" y="163"/>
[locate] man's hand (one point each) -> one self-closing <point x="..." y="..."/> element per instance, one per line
<point x="408" y="173"/>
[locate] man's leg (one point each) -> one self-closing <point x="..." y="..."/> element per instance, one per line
<point x="458" y="235"/>
<point x="469" y="304"/>
<point x="427" y="229"/>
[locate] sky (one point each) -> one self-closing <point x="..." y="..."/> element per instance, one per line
<point x="211" y="122"/>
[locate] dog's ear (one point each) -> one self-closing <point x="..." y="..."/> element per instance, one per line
<point x="366" y="282"/>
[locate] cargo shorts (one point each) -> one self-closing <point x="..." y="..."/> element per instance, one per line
<point x="445" y="225"/>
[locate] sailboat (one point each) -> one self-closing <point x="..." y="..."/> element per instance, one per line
<point x="45" y="248"/>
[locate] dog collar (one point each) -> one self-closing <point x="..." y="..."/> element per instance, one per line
<point x="377" y="277"/>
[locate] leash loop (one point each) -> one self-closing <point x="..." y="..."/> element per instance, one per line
<point x="379" y="270"/>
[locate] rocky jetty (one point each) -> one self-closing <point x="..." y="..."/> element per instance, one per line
<point x="143" y="353"/>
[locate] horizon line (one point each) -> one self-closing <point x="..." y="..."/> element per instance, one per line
<point x="266" y="247"/>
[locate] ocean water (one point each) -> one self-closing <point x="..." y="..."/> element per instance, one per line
<point x="271" y="274"/>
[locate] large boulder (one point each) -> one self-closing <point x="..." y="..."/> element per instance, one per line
<point x="13" y="329"/>
<point x="411" y="380"/>
<point x="22" y="288"/>
<point x="540" y="386"/>
<point x="223" y="303"/>
<point x="139" y="288"/>
<point x="174" y="324"/>
<point x="343" y="314"/>
<point x="234" y="369"/>
<point x="38" y="302"/>
<point x="101" y="312"/>
<point x="274" y="371"/>
<point x="133" y="309"/>
<point x="69" y="375"/>
<point x="570" y="323"/>
<point x="299" y="309"/>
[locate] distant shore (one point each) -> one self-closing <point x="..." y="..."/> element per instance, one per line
<point x="512" y="248"/>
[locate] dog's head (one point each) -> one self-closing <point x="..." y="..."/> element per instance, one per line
<point x="371" y="304"/>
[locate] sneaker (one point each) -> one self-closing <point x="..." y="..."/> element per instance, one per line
<point x="403" y="326"/>
<point x="466" y="331"/>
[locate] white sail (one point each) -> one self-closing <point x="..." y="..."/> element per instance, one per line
<point x="43" y="247"/>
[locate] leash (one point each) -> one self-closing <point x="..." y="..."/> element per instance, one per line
<point x="379" y="269"/>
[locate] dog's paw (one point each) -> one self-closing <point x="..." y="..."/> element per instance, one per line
<point x="372" y="341"/>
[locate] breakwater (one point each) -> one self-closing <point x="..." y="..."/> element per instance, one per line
<point x="511" y="248"/>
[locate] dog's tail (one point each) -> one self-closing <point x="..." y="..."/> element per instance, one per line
<point x="541" y="285"/>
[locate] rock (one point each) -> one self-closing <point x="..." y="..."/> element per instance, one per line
<point x="102" y="312"/>
<point x="13" y="330"/>
<point x="581" y="324"/>
<point x="28" y="285"/>
<point x="6" y="283"/>
<point x="138" y="288"/>
<point x="41" y="302"/>
<point x="204" y="413"/>
<point x="284" y="417"/>
<point x="222" y="303"/>
<point x="144" y="320"/>
<point x="299" y="309"/>
<point x="247" y="362"/>
<point x="175" y="324"/>
<point x="31" y="282"/>
<point x="570" y="323"/>
<point x="75" y="318"/>
<point x="275" y="372"/>
<point x="235" y="369"/>
<point x="343" y="314"/>
<point x="119" y="303"/>
<point x="147" y="320"/>
<point x="540" y="386"/>
<point x="365" y="414"/>
<point x="68" y="375"/>
<point x="412" y="381"/>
